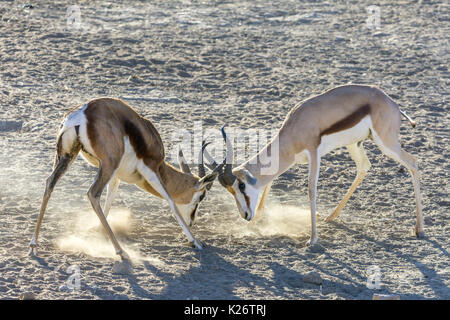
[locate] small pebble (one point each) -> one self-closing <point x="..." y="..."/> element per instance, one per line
<point x="377" y="296"/>
<point x="65" y="288"/>
<point x="313" y="277"/>
<point x="27" y="296"/>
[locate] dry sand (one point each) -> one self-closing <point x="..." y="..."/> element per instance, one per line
<point x="245" y="63"/>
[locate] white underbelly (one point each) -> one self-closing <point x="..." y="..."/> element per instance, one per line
<point x="339" y="139"/>
<point x="346" y="137"/>
<point x="127" y="170"/>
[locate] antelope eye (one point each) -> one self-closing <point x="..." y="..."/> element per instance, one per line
<point x="241" y="186"/>
<point x="202" y="196"/>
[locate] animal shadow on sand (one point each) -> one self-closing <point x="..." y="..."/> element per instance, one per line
<point x="215" y="278"/>
<point x="436" y="285"/>
<point x="218" y="278"/>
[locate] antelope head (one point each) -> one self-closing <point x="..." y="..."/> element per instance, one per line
<point x="239" y="182"/>
<point x="203" y="182"/>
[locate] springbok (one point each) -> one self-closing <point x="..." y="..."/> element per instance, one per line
<point x="125" y="147"/>
<point x="343" y="116"/>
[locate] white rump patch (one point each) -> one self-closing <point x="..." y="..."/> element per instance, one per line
<point x="75" y="118"/>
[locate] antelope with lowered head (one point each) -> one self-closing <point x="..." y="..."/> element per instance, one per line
<point x="344" y="116"/>
<point x="125" y="147"/>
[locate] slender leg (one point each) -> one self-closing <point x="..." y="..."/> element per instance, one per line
<point x="410" y="162"/>
<point x="358" y="155"/>
<point x="155" y="181"/>
<point x="61" y="167"/>
<point x="314" y="166"/>
<point x="95" y="191"/>
<point x="263" y="198"/>
<point x="111" y="193"/>
<point x="396" y="153"/>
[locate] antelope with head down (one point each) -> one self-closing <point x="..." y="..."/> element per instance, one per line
<point x="344" y="116"/>
<point x="125" y="147"/>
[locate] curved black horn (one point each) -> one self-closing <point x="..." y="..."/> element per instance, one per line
<point x="201" y="166"/>
<point x="213" y="164"/>
<point x="216" y="169"/>
<point x="227" y="178"/>
<point x="210" y="163"/>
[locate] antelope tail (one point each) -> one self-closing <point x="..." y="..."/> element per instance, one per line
<point x="413" y="123"/>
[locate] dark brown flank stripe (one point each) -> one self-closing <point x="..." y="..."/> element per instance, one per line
<point x="136" y="139"/>
<point x="90" y="125"/>
<point x="348" y="122"/>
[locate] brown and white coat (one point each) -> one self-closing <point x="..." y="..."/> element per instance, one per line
<point x="343" y="116"/>
<point x="125" y="147"/>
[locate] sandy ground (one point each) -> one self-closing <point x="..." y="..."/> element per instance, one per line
<point x="245" y="63"/>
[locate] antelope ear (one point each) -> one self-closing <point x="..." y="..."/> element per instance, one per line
<point x="182" y="161"/>
<point x="250" y="178"/>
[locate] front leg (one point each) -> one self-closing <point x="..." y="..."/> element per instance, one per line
<point x="95" y="191"/>
<point x="111" y="193"/>
<point x="155" y="181"/>
<point x="262" y="201"/>
<point x="314" y="166"/>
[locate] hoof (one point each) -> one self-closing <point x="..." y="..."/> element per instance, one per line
<point x="124" y="256"/>
<point x="332" y="217"/>
<point x="311" y="242"/>
<point x="32" y="252"/>
<point x="197" y="244"/>
<point x="419" y="234"/>
<point x="123" y="267"/>
<point x="315" y="248"/>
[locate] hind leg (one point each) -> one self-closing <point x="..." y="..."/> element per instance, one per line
<point x="358" y="155"/>
<point x="411" y="163"/>
<point x="395" y="152"/>
<point x="61" y="166"/>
